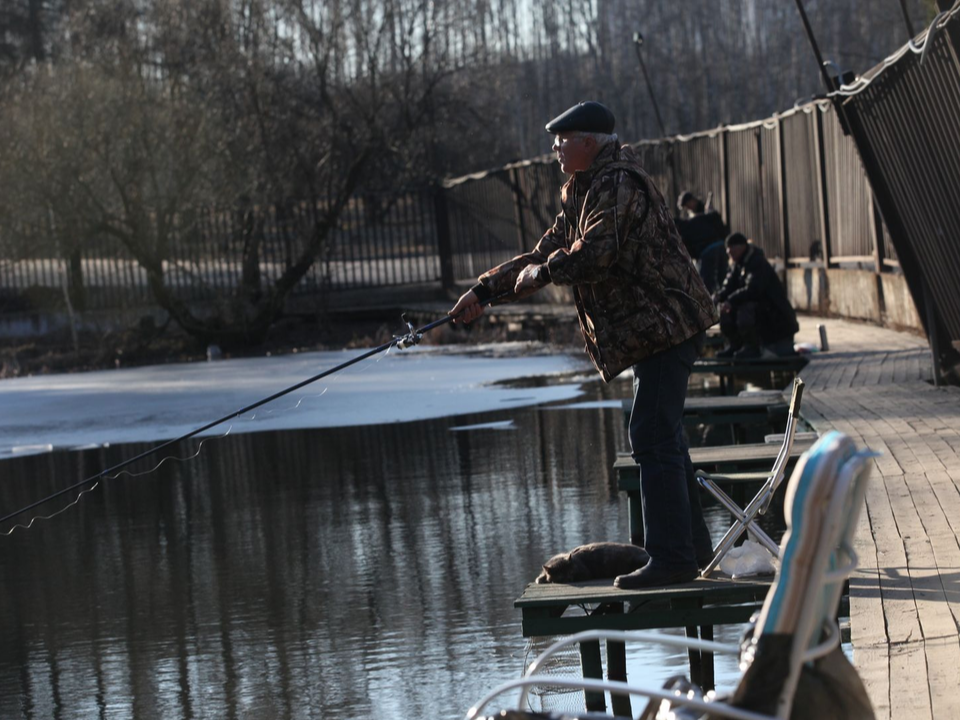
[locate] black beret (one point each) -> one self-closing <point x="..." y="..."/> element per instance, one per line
<point x="736" y="239"/>
<point x="587" y="116"/>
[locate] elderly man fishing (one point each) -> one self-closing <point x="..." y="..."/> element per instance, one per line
<point x="641" y="304"/>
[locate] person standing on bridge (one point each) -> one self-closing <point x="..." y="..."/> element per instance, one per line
<point x="641" y="305"/>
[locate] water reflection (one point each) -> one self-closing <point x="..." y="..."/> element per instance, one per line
<point x="340" y="573"/>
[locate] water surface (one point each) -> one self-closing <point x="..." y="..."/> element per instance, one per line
<point x="352" y="572"/>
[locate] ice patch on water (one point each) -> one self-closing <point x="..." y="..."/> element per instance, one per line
<point x="25" y="450"/>
<point x="589" y="405"/>
<point x="502" y="425"/>
<point x="165" y="401"/>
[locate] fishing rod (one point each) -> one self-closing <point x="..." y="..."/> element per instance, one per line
<point x="412" y="337"/>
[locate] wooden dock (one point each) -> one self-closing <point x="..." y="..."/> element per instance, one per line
<point x="725" y="458"/>
<point x="773" y="372"/>
<point x="696" y="606"/>
<point x="744" y="464"/>
<point x="728" y="410"/>
<point x="875" y="386"/>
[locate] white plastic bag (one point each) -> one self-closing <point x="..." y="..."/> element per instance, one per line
<point x="805" y="348"/>
<point x="751" y="558"/>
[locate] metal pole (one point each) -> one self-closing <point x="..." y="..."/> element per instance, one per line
<point x="906" y="18"/>
<point x="816" y="48"/>
<point x="638" y="40"/>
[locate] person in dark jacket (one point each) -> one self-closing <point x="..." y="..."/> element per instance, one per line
<point x="641" y="305"/>
<point x="703" y="231"/>
<point x="756" y="317"/>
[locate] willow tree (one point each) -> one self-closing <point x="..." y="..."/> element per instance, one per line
<point x="162" y="108"/>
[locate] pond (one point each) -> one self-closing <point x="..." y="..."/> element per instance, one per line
<point x="335" y="572"/>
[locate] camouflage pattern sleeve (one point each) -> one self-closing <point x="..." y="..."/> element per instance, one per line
<point x="502" y="278"/>
<point x="611" y="205"/>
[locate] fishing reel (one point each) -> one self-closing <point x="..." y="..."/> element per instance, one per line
<point x="411" y="338"/>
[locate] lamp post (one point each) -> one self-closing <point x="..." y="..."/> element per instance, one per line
<point x="638" y="41"/>
<point x="906" y="18"/>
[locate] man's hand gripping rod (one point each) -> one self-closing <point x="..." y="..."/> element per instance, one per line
<point x="415" y="335"/>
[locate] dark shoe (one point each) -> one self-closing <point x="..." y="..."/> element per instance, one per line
<point x="727" y="354"/>
<point x="749" y="352"/>
<point x="653" y="575"/>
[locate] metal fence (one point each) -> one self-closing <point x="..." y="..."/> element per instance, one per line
<point x="793" y="183"/>
<point x="802" y="198"/>
<point x="905" y="119"/>
<point x="381" y="240"/>
<point x="776" y="181"/>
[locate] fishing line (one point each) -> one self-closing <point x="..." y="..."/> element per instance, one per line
<point x="176" y="458"/>
<point x="53" y="514"/>
<point x="411" y="338"/>
<point x="312" y="396"/>
<point x="168" y="457"/>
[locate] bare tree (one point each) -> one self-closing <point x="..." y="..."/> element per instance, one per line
<point x="166" y="106"/>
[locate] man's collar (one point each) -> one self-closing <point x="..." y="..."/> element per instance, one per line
<point x="606" y="155"/>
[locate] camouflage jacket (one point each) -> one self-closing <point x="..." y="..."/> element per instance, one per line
<point x="636" y="290"/>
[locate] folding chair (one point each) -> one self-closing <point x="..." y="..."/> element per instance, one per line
<point x="794" y="647"/>
<point x="746" y="518"/>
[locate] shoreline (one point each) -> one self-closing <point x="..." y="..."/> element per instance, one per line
<point x="158" y="402"/>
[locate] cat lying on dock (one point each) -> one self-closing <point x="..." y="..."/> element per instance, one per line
<point x="593" y="562"/>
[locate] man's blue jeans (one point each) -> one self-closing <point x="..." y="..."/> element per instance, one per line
<point x="675" y="533"/>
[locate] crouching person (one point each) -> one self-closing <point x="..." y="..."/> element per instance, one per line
<point x="756" y="317"/>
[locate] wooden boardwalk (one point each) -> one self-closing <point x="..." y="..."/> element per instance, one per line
<point x="875" y="386"/>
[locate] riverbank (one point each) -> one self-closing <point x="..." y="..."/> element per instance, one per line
<point x="157" y="402"/>
<point x="158" y="345"/>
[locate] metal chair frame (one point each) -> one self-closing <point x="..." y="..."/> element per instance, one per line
<point x="745" y="518"/>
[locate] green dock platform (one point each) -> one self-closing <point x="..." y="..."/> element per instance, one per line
<point x="729" y="410"/>
<point x="696" y="606"/>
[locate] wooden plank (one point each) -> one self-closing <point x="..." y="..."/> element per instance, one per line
<point x="705" y="601"/>
<point x="873" y="665"/>
<point x="899" y="608"/>
<point x="732" y="403"/>
<point x="730" y="458"/>
<point x="909" y="687"/>
<point x="887" y="371"/>
<point x="592" y="667"/>
<point x="731" y="366"/>
<point x="869" y="373"/>
<point x="933" y="611"/>
<point x="820" y="370"/>
<point x="939" y="509"/>
<point x="831" y="380"/>
<point x="535" y="622"/>
<point x="848" y="373"/>
<point x="943" y="671"/>
<point x="867" y="626"/>
<point x="715" y="410"/>
<point x="707" y="590"/>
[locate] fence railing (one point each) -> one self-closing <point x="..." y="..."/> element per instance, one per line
<point x="381" y="240"/>
<point x="793" y="183"/>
